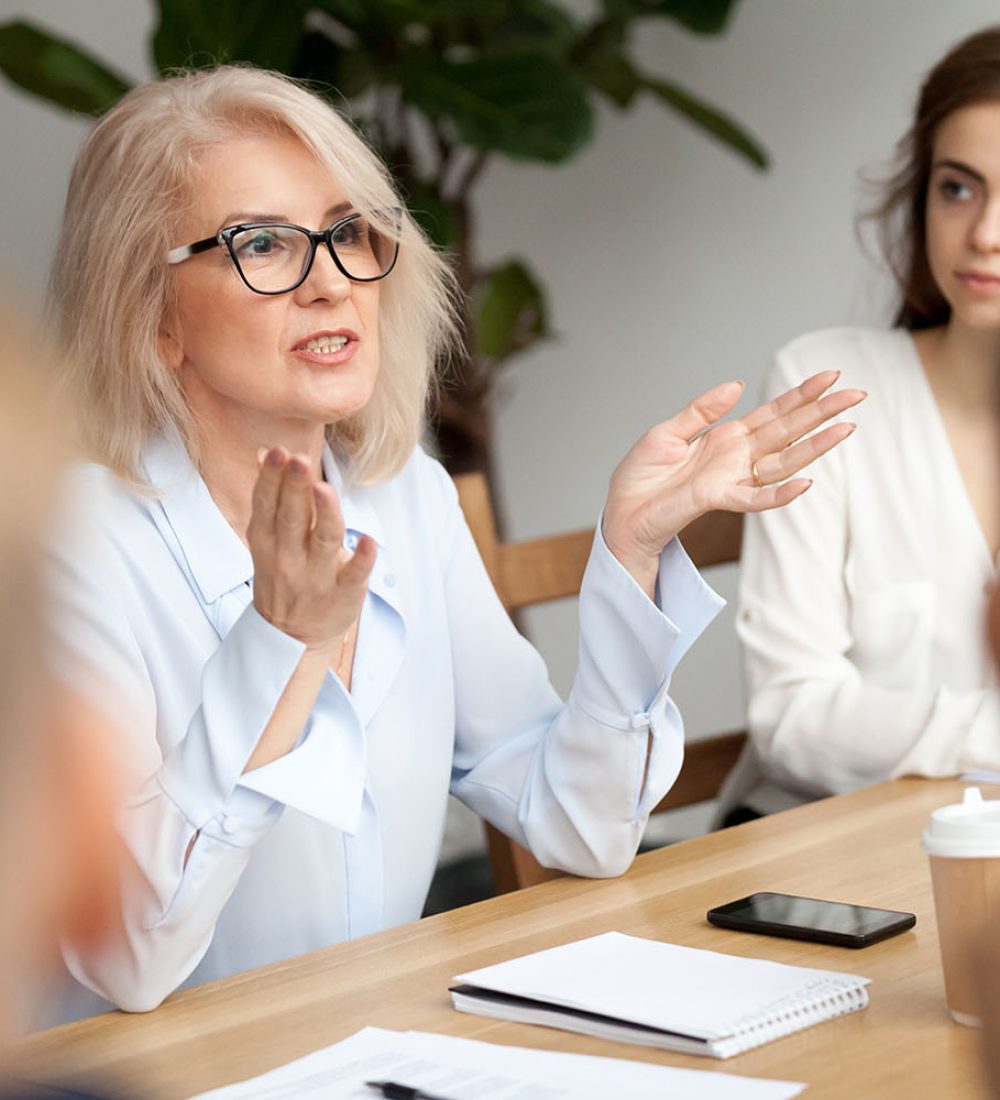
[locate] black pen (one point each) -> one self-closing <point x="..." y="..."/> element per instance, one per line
<point x="392" y="1090"/>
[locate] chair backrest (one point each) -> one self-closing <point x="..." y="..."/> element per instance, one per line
<point x="536" y="571"/>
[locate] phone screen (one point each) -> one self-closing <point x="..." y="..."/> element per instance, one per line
<point x="811" y="918"/>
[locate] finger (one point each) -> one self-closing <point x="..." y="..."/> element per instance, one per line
<point x="783" y="430"/>
<point x="705" y="410"/>
<point x="266" y="491"/>
<point x="778" y="467"/>
<point x="327" y="535"/>
<point x="809" y="390"/>
<point x="748" y="499"/>
<point x="355" y="571"/>
<point x="293" y="516"/>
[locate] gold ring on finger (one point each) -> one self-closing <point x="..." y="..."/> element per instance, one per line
<point x="755" y="474"/>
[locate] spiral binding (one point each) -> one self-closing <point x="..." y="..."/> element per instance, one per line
<point x="824" y="999"/>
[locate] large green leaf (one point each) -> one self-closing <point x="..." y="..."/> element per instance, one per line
<point x="192" y="33"/>
<point x="350" y="13"/>
<point x="709" y="119"/>
<point x="377" y="24"/>
<point x="432" y="214"/>
<point x="701" y="16"/>
<point x="523" y="104"/>
<point x="509" y="311"/>
<point x="598" y="57"/>
<point x="346" y="72"/>
<point x="533" y="24"/>
<point x="57" y="70"/>
<point x="491" y="25"/>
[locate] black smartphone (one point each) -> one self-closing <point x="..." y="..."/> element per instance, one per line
<point x="811" y="919"/>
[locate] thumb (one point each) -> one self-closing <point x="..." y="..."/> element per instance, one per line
<point x="356" y="570"/>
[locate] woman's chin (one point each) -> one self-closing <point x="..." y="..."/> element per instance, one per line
<point x="342" y="404"/>
<point x="339" y="413"/>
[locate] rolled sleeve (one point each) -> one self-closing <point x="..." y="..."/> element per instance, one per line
<point x="324" y="775"/>
<point x="248" y="815"/>
<point x="566" y="780"/>
<point x="629" y="645"/>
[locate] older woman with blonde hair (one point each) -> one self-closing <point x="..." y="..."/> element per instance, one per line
<point x="280" y="593"/>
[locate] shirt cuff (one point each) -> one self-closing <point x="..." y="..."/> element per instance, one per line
<point x="241" y="685"/>
<point x="324" y="775"/>
<point x="629" y="645"/>
<point x="246" y="818"/>
<point x="684" y="596"/>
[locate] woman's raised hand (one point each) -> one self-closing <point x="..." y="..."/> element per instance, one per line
<point x="305" y="582"/>
<point x="691" y="464"/>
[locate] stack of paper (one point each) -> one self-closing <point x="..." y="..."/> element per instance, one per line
<point x="642" y="991"/>
<point x="462" y="1069"/>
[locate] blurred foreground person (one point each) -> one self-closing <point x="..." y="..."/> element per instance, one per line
<point x="58" y="854"/>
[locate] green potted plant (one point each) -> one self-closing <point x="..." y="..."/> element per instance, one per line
<point x="440" y="88"/>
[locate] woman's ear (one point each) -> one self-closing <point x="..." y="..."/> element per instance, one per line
<point x="169" y="344"/>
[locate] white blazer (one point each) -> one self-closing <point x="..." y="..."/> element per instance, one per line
<point x="340" y="837"/>
<point x="862" y="604"/>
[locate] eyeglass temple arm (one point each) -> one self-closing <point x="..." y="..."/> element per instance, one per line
<point x="182" y="252"/>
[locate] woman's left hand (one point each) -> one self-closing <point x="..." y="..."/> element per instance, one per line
<point x="690" y="465"/>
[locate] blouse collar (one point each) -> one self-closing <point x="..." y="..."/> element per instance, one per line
<point x="216" y="556"/>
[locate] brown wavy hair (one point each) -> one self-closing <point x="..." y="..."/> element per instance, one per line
<point x="968" y="74"/>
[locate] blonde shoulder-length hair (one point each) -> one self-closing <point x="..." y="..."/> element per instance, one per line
<point x="111" y="285"/>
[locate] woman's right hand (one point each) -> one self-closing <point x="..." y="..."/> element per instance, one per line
<point x="305" y="582"/>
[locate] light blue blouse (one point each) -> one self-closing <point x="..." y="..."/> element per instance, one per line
<point x="339" y="838"/>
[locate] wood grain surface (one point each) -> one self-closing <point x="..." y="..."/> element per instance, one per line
<point x="862" y="848"/>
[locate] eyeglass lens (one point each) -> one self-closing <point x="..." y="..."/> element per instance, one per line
<point x="273" y="258"/>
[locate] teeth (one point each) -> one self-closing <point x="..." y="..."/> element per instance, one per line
<point x="326" y="344"/>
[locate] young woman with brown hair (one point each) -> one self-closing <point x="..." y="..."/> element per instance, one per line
<point x="862" y="607"/>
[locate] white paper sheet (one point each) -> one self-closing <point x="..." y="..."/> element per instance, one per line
<point x="464" y="1069"/>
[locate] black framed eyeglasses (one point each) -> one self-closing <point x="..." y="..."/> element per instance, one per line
<point x="276" y="257"/>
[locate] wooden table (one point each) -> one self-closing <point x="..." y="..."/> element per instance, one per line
<point x="861" y="848"/>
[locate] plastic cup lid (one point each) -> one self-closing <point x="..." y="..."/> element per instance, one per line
<point x="969" y="829"/>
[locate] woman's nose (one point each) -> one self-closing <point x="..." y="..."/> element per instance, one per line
<point x="325" y="279"/>
<point x="986" y="231"/>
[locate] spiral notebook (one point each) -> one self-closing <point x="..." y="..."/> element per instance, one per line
<point x="635" y="990"/>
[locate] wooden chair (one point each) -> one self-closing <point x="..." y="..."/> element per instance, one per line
<point x="536" y="571"/>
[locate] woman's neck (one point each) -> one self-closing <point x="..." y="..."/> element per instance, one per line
<point x="228" y="461"/>
<point x="963" y="365"/>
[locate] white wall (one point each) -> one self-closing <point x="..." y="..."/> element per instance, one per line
<point x="671" y="264"/>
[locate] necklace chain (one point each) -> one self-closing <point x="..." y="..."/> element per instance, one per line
<point x="341" y="660"/>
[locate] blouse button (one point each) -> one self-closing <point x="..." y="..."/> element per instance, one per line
<point x="390" y="580"/>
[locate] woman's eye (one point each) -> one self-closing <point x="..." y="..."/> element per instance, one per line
<point x="261" y="244"/>
<point x="350" y="235"/>
<point x="954" y="190"/>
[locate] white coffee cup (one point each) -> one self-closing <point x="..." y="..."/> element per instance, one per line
<point x="963" y="842"/>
